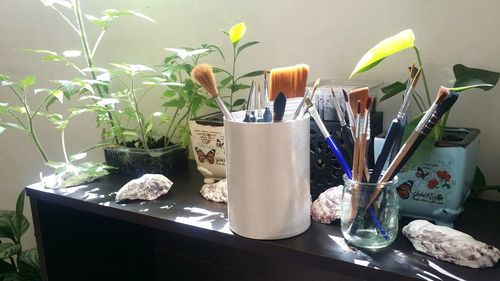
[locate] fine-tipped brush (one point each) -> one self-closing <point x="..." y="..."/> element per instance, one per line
<point x="402" y="115"/>
<point x="350" y="114"/>
<point x="345" y="131"/>
<point x="204" y="75"/>
<point x="328" y="138"/>
<point x="395" y="132"/>
<point x="267" y="116"/>
<point x="444" y="101"/>
<point x="358" y="100"/>
<point x="249" y="117"/>
<point x="310" y="95"/>
<point x="289" y="80"/>
<point x="338" y="154"/>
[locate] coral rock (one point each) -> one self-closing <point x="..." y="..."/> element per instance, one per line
<point x="216" y="192"/>
<point x="147" y="187"/>
<point x="450" y="245"/>
<point x="326" y="208"/>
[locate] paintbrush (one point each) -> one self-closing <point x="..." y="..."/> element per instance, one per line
<point x="204" y="75"/>
<point x="279" y="107"/>
<point x="395" y="132"/>
<point x="310" y="95"/>
<point x="402" y="114"/>
<point x="350" y="114"/>
<point x="358" y="100"/>
<point x="345" y="132"/>
<point x="338" y="154"/>
<point x="444" y="101"/>
<point x="290" y="80"/>
<point x="328" y="138"/>
<point x="248" y="114"/>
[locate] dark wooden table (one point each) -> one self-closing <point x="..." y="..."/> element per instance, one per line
<point x="83" y="234"/>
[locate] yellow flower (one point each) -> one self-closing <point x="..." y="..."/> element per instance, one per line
<point x="237" y="32"/>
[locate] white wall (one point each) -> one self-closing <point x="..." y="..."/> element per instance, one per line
<point x="330" y="36"/>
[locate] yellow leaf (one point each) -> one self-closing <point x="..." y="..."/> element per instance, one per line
<point x="237" y="32"/>
<point x="389" y="46"/>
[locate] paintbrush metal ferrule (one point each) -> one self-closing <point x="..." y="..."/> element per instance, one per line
<point x="338" y="110"/>
<point x="315" y="115"/>
<point x="301" y="106"/>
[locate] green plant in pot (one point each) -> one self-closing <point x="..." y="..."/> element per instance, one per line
<point x="132" y="135"/>
<point x="207" y="132"/>
<point x="16" y="263"/>
<point x="434" y="182"/>
<point x="23" y="117"/>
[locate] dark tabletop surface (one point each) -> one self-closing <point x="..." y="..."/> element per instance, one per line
<point x="184" y="211"/>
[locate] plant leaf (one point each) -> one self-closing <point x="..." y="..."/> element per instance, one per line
<point x="389" y="46"/>
<point x="251" y="74"/>
<point x="29" y="265"/>
<point x="239" y="102"/>
<point x="72" y="53"/>
<point x="392" y="90"/>
<point x="9" y="249"/>
<point x="59" y="95"/>
<point x="485" y="87"/>
<point x="13" y="126"/>
<point x="236" y="32"/>
<point x="246" y="45"/>
<point x="77" y="157"/>
<point x="467" y="77"/>
<point x="27" y="82"/>
<point x="19" y="214"/>
<point x="183" y="53"/>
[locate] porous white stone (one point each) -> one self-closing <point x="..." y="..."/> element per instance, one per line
<point x="147" y="187"/>
<point x="326" y="208"/>
<point x="450" y="245"/>
<point x="216" y="192"/>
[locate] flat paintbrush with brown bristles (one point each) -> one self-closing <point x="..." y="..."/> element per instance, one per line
<point x="290" y="80"/>
<point x="204" y="75"/>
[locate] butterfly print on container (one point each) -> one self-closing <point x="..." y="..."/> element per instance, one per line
<point x="202" y="157"/>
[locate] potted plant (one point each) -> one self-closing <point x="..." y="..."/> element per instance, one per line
<point x="438" y="177"/>
<point x="23" y="118"/>
<point x="207" y="132"/>
<point x="135" y="141"/>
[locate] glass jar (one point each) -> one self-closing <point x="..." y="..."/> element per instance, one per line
<point x="369" y="226"/>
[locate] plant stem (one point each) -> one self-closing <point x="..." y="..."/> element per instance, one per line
<point x="180" y="120"/>
<point x="97" y="42"/>
<point x="232" y="77"/>
<point x="66" y="19"/>
<point x="64" y="147"/>
<point x="31" y="130"/>
<point x="418" y="100"/>
<point x="424" y="79"/>
<point x="135" y="107"/>
<point x="88" y="56"/>
<point x="170" y="126"/>
<point x="13" y="263"/>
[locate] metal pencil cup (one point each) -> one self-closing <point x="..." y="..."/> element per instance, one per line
<point x="267" y="170"/>
<point x="369" y="226"/>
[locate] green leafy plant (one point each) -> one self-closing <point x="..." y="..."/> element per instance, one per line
<point x="22" y="117"/>
<point x="465" y="78"/>
<point x="16" y="263"/>
<point x="229" y="79"/>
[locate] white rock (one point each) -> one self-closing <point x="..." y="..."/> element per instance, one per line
<point x="326" y="208"/>
<point x="450" y="245"/>
<point x="216" y="192"/>
<point x="147" y="187"/>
